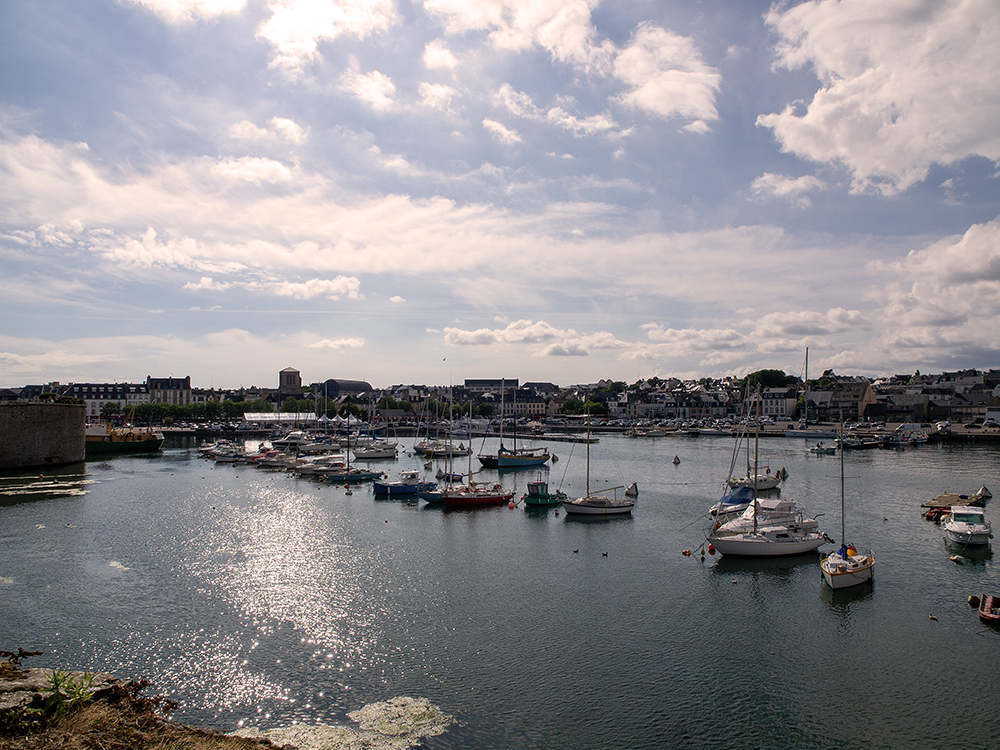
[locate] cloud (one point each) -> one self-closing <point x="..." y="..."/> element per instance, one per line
<point x="437" y="56"/>
<point x="280" y="128"/>
<point x="187" y="10"/>
<point x="253" y="169"/>
<point x="288" y="129"/>
<point x="437" y="95"/>
<point x="667" y="76"/>
<point x="207" y="284"/>
<point x="502" y="132"/>
<point x="341" y="286"/>
<point x="338" y="344"/>
<point x="561" y="27"/>
<point x="296" y="27"/>
<point x="374" y="88"/>
<point x="809" y="323"/>
<point x="521" y="104"/>
<point x="782" y="186"/>
<point x="904" y="86"/>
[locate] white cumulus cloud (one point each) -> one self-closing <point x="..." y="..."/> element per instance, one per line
<point x="904" y="85"/>
<point x="337" y="288"/>
<point x="375" y="88"/>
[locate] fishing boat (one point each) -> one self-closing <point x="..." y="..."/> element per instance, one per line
<point x="989" y="609"/>
<point x="846" y="567"/>
<point x="101" y="439"/>
<point x="597" y="505"/>
<point x="409" y="483"/>
<point x="967" y="525"/>
<point x="538" y="495"/>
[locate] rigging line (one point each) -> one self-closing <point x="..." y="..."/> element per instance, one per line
<point x="566" y="467"/>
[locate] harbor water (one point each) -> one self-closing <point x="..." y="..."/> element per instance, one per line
<point x="262" y="600"/>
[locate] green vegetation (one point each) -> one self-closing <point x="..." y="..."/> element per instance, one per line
<point x="768" y="379"/>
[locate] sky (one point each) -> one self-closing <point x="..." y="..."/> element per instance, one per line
<point x="423" y="191"/>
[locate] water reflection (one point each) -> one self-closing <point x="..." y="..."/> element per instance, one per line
<point x="279" y="555"/>
<point x="840" y="601"/>
<point x="64" y="481"/>
<point x="764" y="567"/>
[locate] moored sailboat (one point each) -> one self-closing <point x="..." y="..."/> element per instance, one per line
<point x="846" y="566"/>
<point x="767" y="532"/>
<point x="597" y="505"/>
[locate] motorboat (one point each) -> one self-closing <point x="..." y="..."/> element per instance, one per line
<point x="967" y="525"/>
<point x="538" y="495"/>
<point x="409" y="483"/>
<point x="823" y="450"/>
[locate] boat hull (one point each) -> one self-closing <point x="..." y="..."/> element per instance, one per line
<point x="968" y="539"/>
<point x="520" y="462"/>
<point x="839" y="573"/>
<point x="403" y="488"/>
<point x="472" y="500"/>
<point x="989" y="609"/>
<point x="766" y="544"/>
<point x="610" y="508"/>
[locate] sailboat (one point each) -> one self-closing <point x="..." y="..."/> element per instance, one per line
<point x="472" y="493"/>
<point x="767" y="531"/>
<point x="597" y="505"/>
<point x="846" y="567"/>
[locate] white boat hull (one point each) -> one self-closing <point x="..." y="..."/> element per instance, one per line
<point x="610" y="508"/>
<point x="968" y="539"/>
<point x="767" y="543"/>
<point x="841" y="574"/>
<point x="765" y="482"/>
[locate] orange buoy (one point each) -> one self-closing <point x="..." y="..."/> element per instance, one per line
<point x="510" y="504"/>
<point x="711" y="549"/>
<point x="686" y="552"/>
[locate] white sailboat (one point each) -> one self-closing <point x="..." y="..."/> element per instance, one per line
<point x="787" y="532"/>
<point x="597" y="505"/>
<point x="846" y="567"/>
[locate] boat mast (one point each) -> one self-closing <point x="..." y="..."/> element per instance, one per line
<point x="588" y="452"/>
<point x="805" y="397"/>
<point x="756" y="447"/>
<point x="843" y="533"/>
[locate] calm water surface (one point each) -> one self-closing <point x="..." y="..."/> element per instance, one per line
<point x="259" y="599"/>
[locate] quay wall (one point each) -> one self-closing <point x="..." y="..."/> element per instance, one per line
<point x="33" y="435"/>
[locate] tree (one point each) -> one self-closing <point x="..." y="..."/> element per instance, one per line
<point x="768" y="379"/>
<point x="110" y="408"/>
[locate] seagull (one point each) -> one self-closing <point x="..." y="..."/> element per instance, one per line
<point x="932" y="617"/>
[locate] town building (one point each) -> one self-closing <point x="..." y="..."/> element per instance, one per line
<point x="173" y="391"/>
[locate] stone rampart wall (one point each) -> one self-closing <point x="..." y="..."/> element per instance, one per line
<point x="33" y="435"/>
